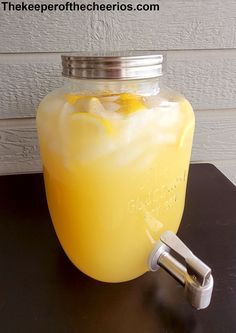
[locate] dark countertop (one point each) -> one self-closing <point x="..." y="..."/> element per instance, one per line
<point x="41" y="291"/>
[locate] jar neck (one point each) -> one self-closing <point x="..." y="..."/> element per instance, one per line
<point x="145" y="87"/>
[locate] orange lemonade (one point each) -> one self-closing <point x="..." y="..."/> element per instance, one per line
<point x="115" y="169"/>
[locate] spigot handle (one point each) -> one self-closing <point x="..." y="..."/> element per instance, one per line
<point x="195" y="267"/>
<point x="195" y="276"/>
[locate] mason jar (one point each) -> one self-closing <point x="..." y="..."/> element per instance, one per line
<point x="115" y="145"/>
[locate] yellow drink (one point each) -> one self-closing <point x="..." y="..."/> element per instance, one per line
<point x="115" y="169"/>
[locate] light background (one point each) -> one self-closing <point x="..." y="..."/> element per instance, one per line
<point x="199" y="38"/>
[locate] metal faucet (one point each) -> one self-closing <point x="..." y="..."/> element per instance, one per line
<point x="195" y="276"/>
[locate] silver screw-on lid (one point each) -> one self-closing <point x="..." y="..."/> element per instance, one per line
<point x="128" y="65"/>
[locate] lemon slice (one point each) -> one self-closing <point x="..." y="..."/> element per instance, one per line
<point x="85" y="126"/>
<point x="72" y="99"/>
<point x="92" y="107"/>
<point x="104" y="122"/>
<point x="187" y="132"/>
<point x="109" y="98"/>
<point x="85" y="138"/>
<point x="130" y="103"/>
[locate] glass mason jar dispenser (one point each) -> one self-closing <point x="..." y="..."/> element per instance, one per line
<point x="116" y="146"/>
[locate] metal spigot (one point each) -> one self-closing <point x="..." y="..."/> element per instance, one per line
<point x="195" y="276"/>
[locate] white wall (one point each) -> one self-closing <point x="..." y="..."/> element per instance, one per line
<point x="199" y="38"/>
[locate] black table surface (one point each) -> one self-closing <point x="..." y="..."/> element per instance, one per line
<point x="41" y="291"/>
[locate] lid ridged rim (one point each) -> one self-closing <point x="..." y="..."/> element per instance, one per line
<point x="116" y="66"/>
